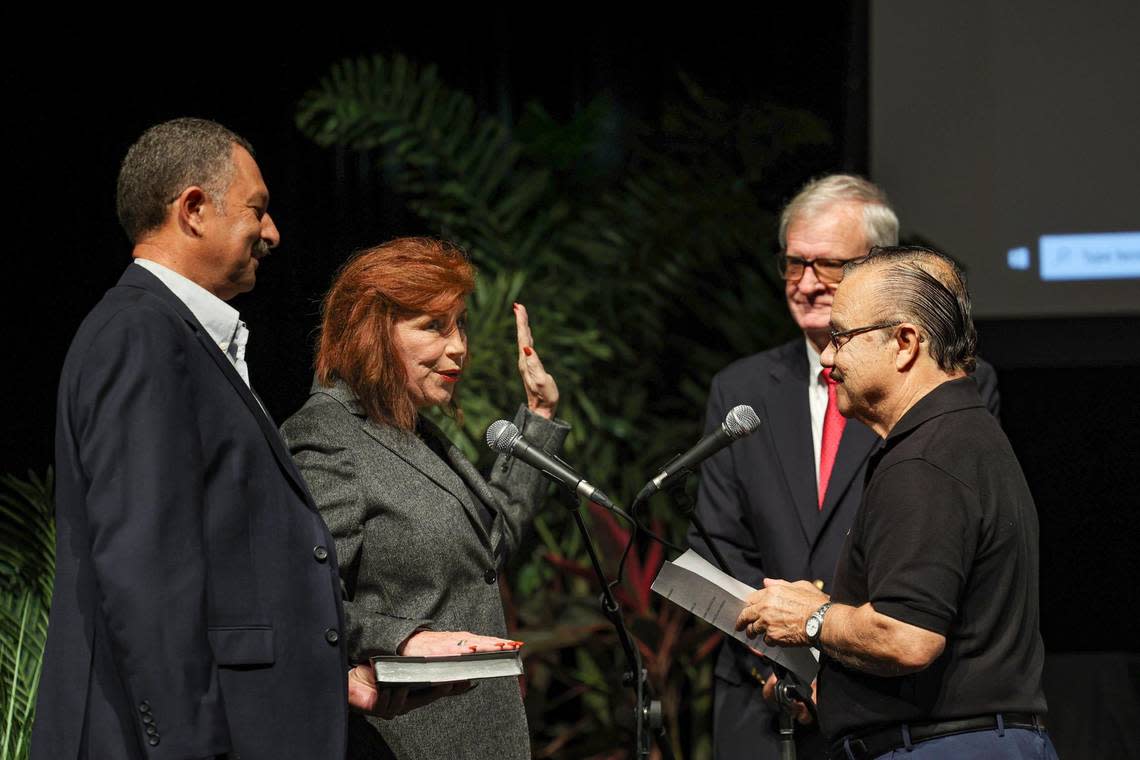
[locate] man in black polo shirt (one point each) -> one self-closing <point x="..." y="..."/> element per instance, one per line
<point x="930" y="640"/>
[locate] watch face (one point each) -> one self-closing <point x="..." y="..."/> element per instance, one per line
<point x="812" y="626"/>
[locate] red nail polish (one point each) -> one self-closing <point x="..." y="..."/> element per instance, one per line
<point x="528" y="350"/>
<point x="473" y="648"/>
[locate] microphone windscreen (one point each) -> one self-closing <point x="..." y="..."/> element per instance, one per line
<point x="740" y="421"/>
<point x="501" y="436"/>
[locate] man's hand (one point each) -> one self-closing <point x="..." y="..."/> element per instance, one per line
<point x="779" y="612"/>
<point x="799" y="709"/>
<point x="859" y="637"/>
<point x="387" y="703"/>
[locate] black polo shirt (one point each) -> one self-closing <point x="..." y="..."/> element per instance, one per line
<point x="946" y="539"/>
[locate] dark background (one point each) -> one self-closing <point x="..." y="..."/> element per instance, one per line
<point x="75" y="103"/>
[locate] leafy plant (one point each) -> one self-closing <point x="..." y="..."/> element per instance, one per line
<point x="27" y="565"/>
<point x="641" y="253"/>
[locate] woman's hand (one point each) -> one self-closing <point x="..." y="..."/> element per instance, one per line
<point x="439" y="643"/>
<point x="541" y="390"/>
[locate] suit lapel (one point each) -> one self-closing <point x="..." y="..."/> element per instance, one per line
<point x="476" y="485"/>
<point x="136" y="276"/>
<point x="787" y="409"/>
<point x="416" y="453"/>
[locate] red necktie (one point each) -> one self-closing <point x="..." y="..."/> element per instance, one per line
<point x="833" y="424"/>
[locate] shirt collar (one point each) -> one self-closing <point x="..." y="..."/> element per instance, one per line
<point x="221" y="321"/>
<point x="950" y="396"/>
<point x="814" y="365"/>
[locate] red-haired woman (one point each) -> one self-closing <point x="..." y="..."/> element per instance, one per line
<point x="420" y="535"/>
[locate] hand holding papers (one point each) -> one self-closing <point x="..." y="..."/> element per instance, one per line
<point x="695" y="585"/>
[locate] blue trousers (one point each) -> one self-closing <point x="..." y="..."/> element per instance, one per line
<point x="991" y="744"/>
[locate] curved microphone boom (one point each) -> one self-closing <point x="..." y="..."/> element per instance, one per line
<point x="505" y="438"/>
<point x="740" y="421"/>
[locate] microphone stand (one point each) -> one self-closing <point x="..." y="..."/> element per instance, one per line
<point x="789" y="689"/>
<point x="649" y="722"/>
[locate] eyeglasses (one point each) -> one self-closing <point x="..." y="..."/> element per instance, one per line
<point x="827" y="271"/>
<point x="839" y="338"/>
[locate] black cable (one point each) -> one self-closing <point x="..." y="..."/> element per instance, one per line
<point x="663" y="541"/>
<point x="637" y="526"/>
<point x="629" y="543"/>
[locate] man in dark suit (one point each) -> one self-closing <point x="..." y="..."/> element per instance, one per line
<point x="779" y="502"/>
<point x="197" y="607"/>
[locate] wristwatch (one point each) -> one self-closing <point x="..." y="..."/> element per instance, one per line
<point x="814" y="625"/>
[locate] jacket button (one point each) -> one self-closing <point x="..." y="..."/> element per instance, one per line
<point x="144" y="707"/>
<point x="321" y="553"/>
<point x="331" y="636"/>
<point x="490" y="576"/>
<point x="152" y="741"/>
<point x="148" y="718"/>
<point x="151" y="731"/>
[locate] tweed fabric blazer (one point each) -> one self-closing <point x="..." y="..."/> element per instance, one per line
<point x="415" y="554"/>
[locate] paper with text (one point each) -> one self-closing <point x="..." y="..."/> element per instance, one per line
<point x="694" y="584"/>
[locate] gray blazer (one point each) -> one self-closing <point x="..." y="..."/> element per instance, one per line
<point x="414" y="554"/>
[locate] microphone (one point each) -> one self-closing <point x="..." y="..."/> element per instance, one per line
<point x="505" y="438"/>
<point x="739" y="422"/>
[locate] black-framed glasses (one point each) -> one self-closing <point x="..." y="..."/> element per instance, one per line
<point x="827" y="271"/>
<point x="839" y="338"/>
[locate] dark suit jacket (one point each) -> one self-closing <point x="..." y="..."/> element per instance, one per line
<point x="758" y="498"/>
<point x="415" y="554"/>
<point x="193" y="613"/>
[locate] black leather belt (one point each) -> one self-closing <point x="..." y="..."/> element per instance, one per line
<point x="875" y="743"/>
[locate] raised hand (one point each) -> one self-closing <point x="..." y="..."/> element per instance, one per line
<point x="541" y="390"/>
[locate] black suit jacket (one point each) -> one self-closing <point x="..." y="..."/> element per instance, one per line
<point x="197" y="605"/>
<point x="758" y="497"/>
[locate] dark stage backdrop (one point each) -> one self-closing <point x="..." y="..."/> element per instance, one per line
<point x="77" y="103"/>
<point x="74" y="105"/>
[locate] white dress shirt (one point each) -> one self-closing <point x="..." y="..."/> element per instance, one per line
<point x="817" y="401"/>
<point x="222" y="321"/>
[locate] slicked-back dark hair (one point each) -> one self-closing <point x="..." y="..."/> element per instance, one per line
<point x="167" y="159"/>
<point x="925" y="287"/>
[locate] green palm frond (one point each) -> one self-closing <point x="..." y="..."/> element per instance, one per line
<point x="23" y="630"/>
<point x="462" y="172"/>
<point x="27" y="533"/>
<point x="27" y="565"/>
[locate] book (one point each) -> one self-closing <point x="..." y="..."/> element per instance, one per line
<point x="694" y="584"/>
<point x="426" y="671"/>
